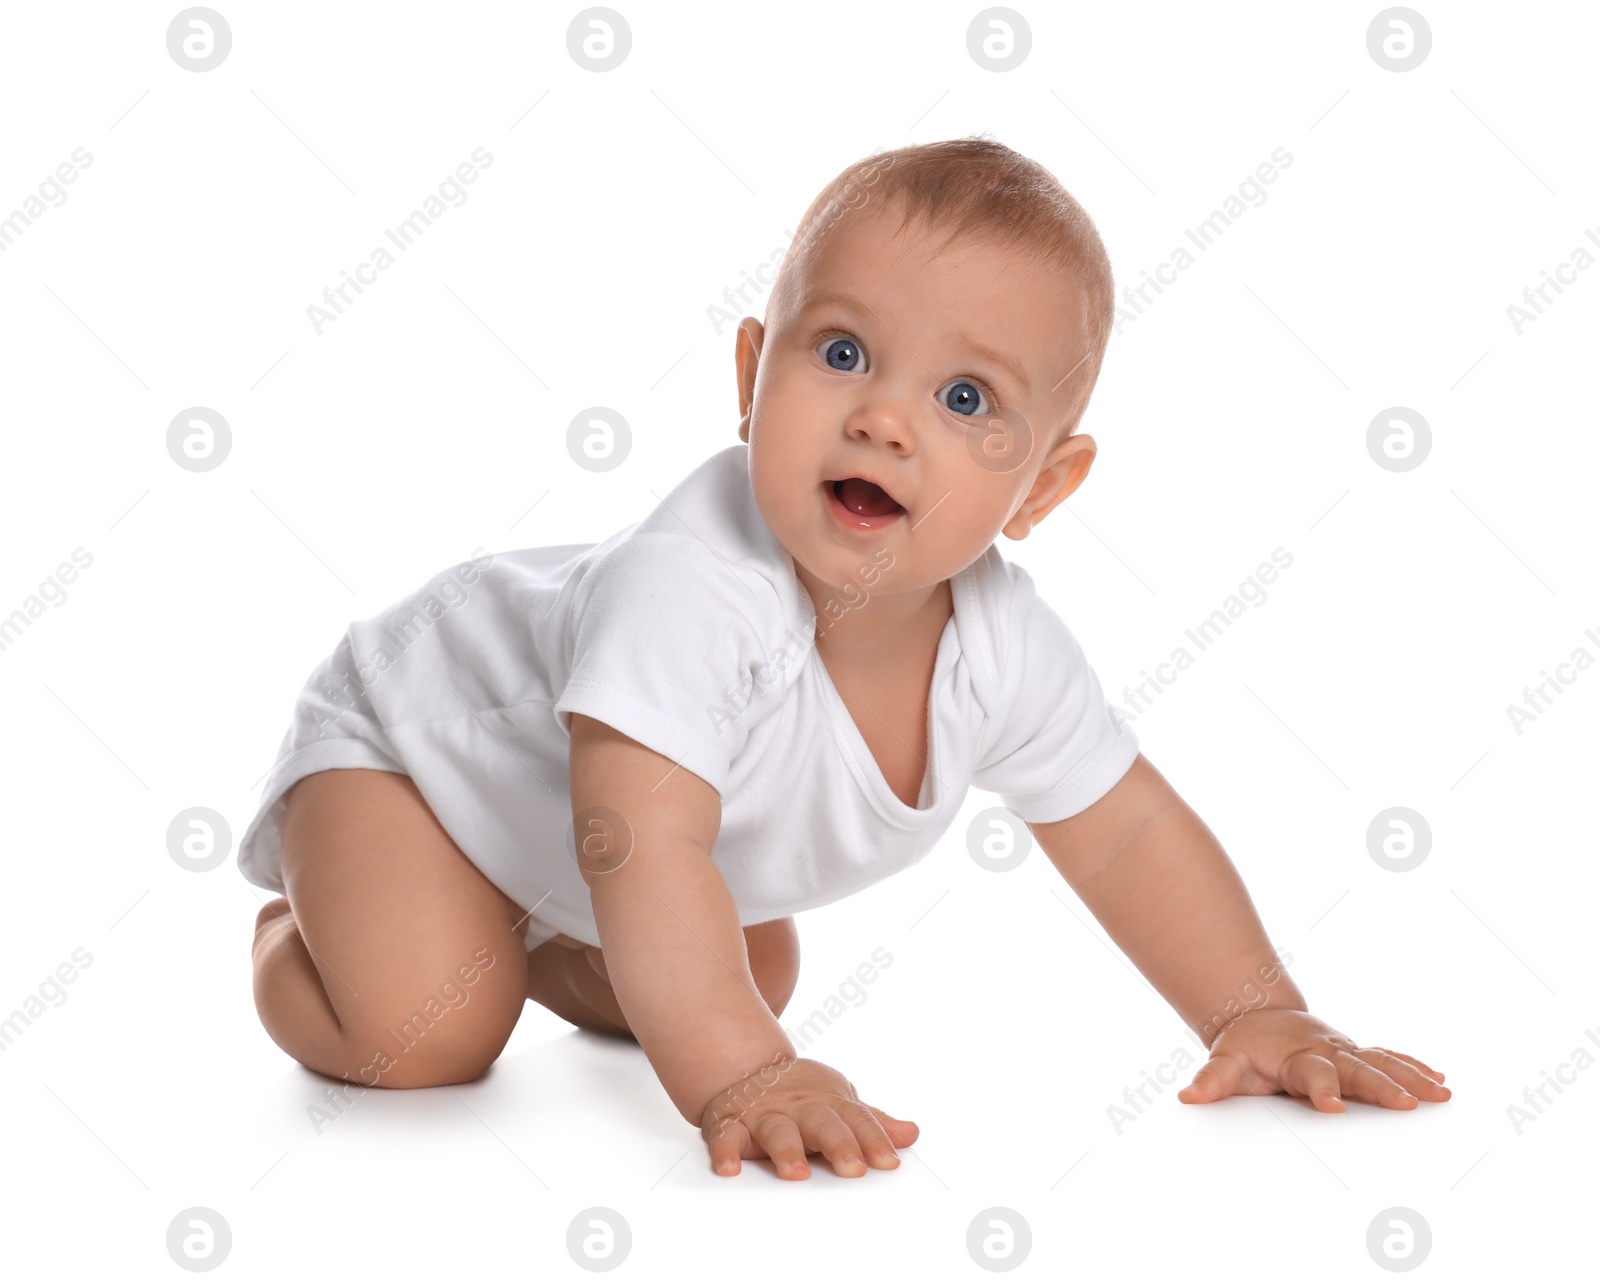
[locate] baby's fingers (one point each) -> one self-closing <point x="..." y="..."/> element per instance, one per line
<point x="728" y="1142"/>
<point x="872" y="1136"/>
<point x="825" y="1130"/>
<point x="1367" y="1081"/>
<point x="1218" y="1078"/>
<point x="901" y="1132"/>
<point x="1417" y="1063"/>
<point x="1403" y="1072"/>
<point x="780" y="1138"/>
<point x="1312" y="1076"/>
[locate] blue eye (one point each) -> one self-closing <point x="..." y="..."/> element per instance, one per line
<point x="840" y="353"/>
<point x="965" y="398"/>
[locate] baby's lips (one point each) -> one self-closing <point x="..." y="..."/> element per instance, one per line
<point x="866" y="497"/>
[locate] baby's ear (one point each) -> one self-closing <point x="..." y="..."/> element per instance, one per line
<point x="747" y="344"/>
<point x="746" y="356"/>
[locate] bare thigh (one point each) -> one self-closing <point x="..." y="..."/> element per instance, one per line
<point x="422" y="957"/>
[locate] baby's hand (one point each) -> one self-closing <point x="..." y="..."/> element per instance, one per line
<point x="795" y="1106"/>
<point x="1287" y="1051"/>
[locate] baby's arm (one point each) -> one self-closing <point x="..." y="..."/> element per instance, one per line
<point x="674" y="951"/>
<point x="1153" y="874"/>
<point x="675" y="955"/>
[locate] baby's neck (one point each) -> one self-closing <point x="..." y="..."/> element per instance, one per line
<point x="879" y="627"/>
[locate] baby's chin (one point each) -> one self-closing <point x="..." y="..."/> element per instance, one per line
<point x="855" y="575"/>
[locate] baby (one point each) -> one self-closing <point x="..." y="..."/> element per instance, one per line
<point x="772" y="692"/>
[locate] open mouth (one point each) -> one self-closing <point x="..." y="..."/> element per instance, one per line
<point x="861" y="503"/>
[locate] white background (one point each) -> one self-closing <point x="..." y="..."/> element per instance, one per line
<point x="431" y="416"/>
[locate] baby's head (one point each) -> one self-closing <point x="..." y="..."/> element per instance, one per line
<point x="936" y="328"/>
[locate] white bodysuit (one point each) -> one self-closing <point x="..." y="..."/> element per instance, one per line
<point x="690" y="633"/>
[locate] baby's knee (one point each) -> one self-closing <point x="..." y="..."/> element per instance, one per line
<point x="431" y="1043"/>
<point x="407" y="1057"/>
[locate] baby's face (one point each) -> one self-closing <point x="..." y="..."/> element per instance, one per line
<point x="881" y="364"/>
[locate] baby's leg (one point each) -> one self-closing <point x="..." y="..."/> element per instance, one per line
<point x="358" y="973"/>
<point x="570" y="978"/>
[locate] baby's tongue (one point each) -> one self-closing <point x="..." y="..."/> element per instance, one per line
<point x="865" y="498"/>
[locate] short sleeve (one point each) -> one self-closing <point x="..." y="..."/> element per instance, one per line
<point x="666" y="637"/>
<point x="1060" y="745"/>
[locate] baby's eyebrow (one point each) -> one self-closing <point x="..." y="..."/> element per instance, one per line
<point x="1004" y="360"/>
